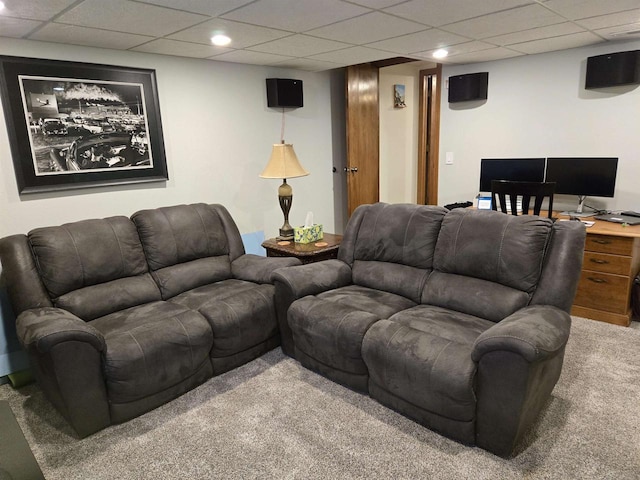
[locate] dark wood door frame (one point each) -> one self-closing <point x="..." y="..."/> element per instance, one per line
<point x="430" y="85"/>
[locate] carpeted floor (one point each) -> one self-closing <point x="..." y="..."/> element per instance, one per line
<point x="273" y="419"/>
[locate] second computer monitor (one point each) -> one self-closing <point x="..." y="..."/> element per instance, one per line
<point x="512" y="169"/>
<point x="583" y="176"/>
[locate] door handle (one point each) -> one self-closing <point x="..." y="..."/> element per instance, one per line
<point x="351" y="170"/>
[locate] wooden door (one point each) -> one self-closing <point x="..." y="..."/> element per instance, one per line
<point x="429" y="135"/>
<point x="363" y="130"/>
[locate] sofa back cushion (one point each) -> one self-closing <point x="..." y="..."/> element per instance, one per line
<point x="485" y="258"/>
<point x="391" y="247"/>
<point x="186" y="246"/>
<point x="93" y="267"/>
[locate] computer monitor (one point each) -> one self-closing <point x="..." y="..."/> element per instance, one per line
<point x="513" y="169"/>
<point x="583" y="176"/>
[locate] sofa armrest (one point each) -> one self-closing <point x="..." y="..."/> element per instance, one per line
<point x="296" y="282"/>
<point x="66" y="357"/>
<point x="314" y="278"/>
<point x="519" y="361"/>
<point x="254" y="268"/>
<point x="535" y="332"/>
<point x="43" y="328"/>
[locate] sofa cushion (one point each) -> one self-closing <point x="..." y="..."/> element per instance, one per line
<point x="101" y="256"/>
<point x="241" y="314"/>
<point x="330" y="332"/>
<point x="186" y="246"/>
<point x="99" y="300"/>
<point x="399" y="233"/>
<point x="392" y="249"/>
<point x="505" y="249"/>
<point x="377" y="302"/>
<point x="391" y="277"/>
<point x="151" y="348"/>
<point x="419" y="356"/>
<point x="442" y="322"/>
<point x="473" y="296"/>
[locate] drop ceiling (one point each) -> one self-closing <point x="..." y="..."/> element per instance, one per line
<point x="318" y="35"/>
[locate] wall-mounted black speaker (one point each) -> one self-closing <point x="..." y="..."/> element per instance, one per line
<point x="612" y="69"/>
<point x="472" y="86"/>
<point x="284" y="92"/>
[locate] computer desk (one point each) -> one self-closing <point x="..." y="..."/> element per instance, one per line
<point x="611" y="263"/>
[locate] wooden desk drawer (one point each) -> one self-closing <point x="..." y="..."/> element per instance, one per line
<point x="603" y="262"/>
<point x="609" y="244"/>
<point x="603" y="291"/>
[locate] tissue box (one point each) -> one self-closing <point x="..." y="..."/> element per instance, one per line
<point x="307" y="234"/>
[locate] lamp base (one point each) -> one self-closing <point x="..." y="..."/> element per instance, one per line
<point x="288" y="238"/>
<point x="285" y="197"/>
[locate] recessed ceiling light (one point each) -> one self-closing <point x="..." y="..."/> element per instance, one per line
<point x="1" y="5"/>
<point x="440" y="53"/>
<point x="220" y="40"/>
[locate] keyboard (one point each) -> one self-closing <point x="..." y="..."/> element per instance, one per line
<point x="630" y="213"/>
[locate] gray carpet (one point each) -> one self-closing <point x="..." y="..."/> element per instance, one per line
<point x="273" y="419"/>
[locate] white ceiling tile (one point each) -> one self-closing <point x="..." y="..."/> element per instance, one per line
<point x="296" y="15"/>
<point x="611" y="20"/>
<point x="307" y="64"/>
<point x="575" y="9"/>
<point x="352" y="56"/>
<point x="442" y="12"/>
<point x="490" y="55"/>
<point x="245" y="56"/>
<point x="59" y="33"/>
<point x="241" y="34"/>
<point x="205" y="7"/>
<point x="35" y="9"/>
<point x="184" y="49"/>
<point x="131" y="17"/>
<point x="299" y="46"/>
<point x="16" y="27"/>
<point x="557" y="43"/>
<point x="367" y="28"/>
<point x="469" y="47"/>
<point x="620" y="33"/>
<point x="320" y="34"/>
<point x="536" y="34"/>
<point x="420" y="41"/>
<point x="509" y="21"/>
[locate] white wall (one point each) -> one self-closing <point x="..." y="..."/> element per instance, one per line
<point x="399" y="134"/>
<point x="218" y="133"/>
<point x="537" y="107"/>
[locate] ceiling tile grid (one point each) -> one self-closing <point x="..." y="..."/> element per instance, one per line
<point x="324" y="34"/>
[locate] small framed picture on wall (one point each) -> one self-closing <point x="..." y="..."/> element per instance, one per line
<point x="399" y="96"/>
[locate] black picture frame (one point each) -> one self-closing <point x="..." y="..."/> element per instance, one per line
<point x="76" y="125"/>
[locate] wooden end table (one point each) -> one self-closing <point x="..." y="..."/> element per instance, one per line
<point x="305" y="252"/>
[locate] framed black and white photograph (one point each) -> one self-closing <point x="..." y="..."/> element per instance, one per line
<point x="77" y="125"/>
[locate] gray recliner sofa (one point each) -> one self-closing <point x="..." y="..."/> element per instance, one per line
<point x="456" y="319"/>
<point x="121" y="315"/>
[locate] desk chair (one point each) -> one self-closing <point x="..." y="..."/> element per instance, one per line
<point x="526" y="190"/>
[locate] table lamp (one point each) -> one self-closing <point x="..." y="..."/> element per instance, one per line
<point x="284" y="164"/>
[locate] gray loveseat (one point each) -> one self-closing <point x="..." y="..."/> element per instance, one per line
<point x="120" y="315"/>
<point x="457" y="319"/>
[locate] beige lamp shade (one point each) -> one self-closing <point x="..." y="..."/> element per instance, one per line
<point x="283" y="163"/>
